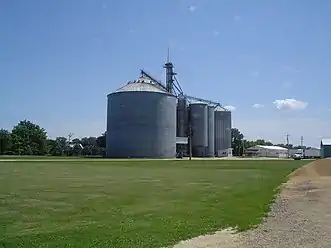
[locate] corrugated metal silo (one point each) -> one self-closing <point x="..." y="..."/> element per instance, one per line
<point x="222" y="130"/>
<point x="141" y="121"/>
<point x="211" y="131"/>
<point x="182" y="117"/>
<point x="199" y="124"/>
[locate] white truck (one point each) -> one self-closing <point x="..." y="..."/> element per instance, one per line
<point x="297" y="156"/>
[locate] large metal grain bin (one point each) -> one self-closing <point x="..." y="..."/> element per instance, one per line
<point x="222" y="131"/>
<point x="182" y="117"/>
<point x="211" y="131"/>
<point x="199" y="124"/>
<point x="141" y="121"/>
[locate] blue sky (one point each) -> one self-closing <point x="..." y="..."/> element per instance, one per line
<point x="59" y="60"/>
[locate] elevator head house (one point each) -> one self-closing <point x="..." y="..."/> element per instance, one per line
<point x="326" y="148"/>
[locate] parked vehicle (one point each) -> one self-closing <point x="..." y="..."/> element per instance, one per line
<point x="312" y="153"/>
<point x="297" y="156"/>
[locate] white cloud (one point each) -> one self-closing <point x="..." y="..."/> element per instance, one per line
<point x="237" y="18"/>
<point x="230" y="107"/>
<point x="192" y="8"/>
<point x="290" y="104"/>
<point x="216" y="33"/>
<point x="258" y="105"/>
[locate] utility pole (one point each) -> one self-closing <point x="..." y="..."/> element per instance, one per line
<point x="288" y="145"/>
<point x="69" y="137"/>
<point x="68" y="145"/>
<point x="190" y="140"/>
<point x="189" y="133"/>
<point x="301" y="146"/>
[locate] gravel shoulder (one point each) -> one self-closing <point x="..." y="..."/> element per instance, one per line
<point x="299" y="217"/>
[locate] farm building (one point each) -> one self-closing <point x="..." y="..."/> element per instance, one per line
<point x="266" y="151"/>
<point x="326" y="148"/>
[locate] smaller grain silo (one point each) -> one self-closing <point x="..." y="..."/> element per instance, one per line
<point x="222" y="131"/>
<point x="182" y="117"/>
<point x="211" y="131"/>
<point x="198" y="115"/>
<point x="141" y="121"/>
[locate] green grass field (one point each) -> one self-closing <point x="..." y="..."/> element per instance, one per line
<point x="131" y="203"/>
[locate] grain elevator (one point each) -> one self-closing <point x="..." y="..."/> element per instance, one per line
<point x="149" y="119"/>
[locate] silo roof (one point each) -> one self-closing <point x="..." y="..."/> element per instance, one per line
<point x="142" y="84"/>
<point x="198" y="103"/>
<point x="220" y="108"/>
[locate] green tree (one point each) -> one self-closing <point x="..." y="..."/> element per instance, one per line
<point x="251" y="143"/>
<point x="75" y="147"/>
<point x="248" y="143"/>
<point x="76" y="141"/>
<point x="28" y="139"/>
<point x="237" y="141"/>
<point x="51" y="147"/>
<point x="61" y="146"/>
<point x="5" y="141"/>
<point x="101" y="141"/>
<point x="91" y="146"/>
<point x="289" y="146"/>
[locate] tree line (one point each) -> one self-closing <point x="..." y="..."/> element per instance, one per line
<point x="27" y="138"/>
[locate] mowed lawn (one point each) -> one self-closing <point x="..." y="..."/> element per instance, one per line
<point x="131" y="203"/>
